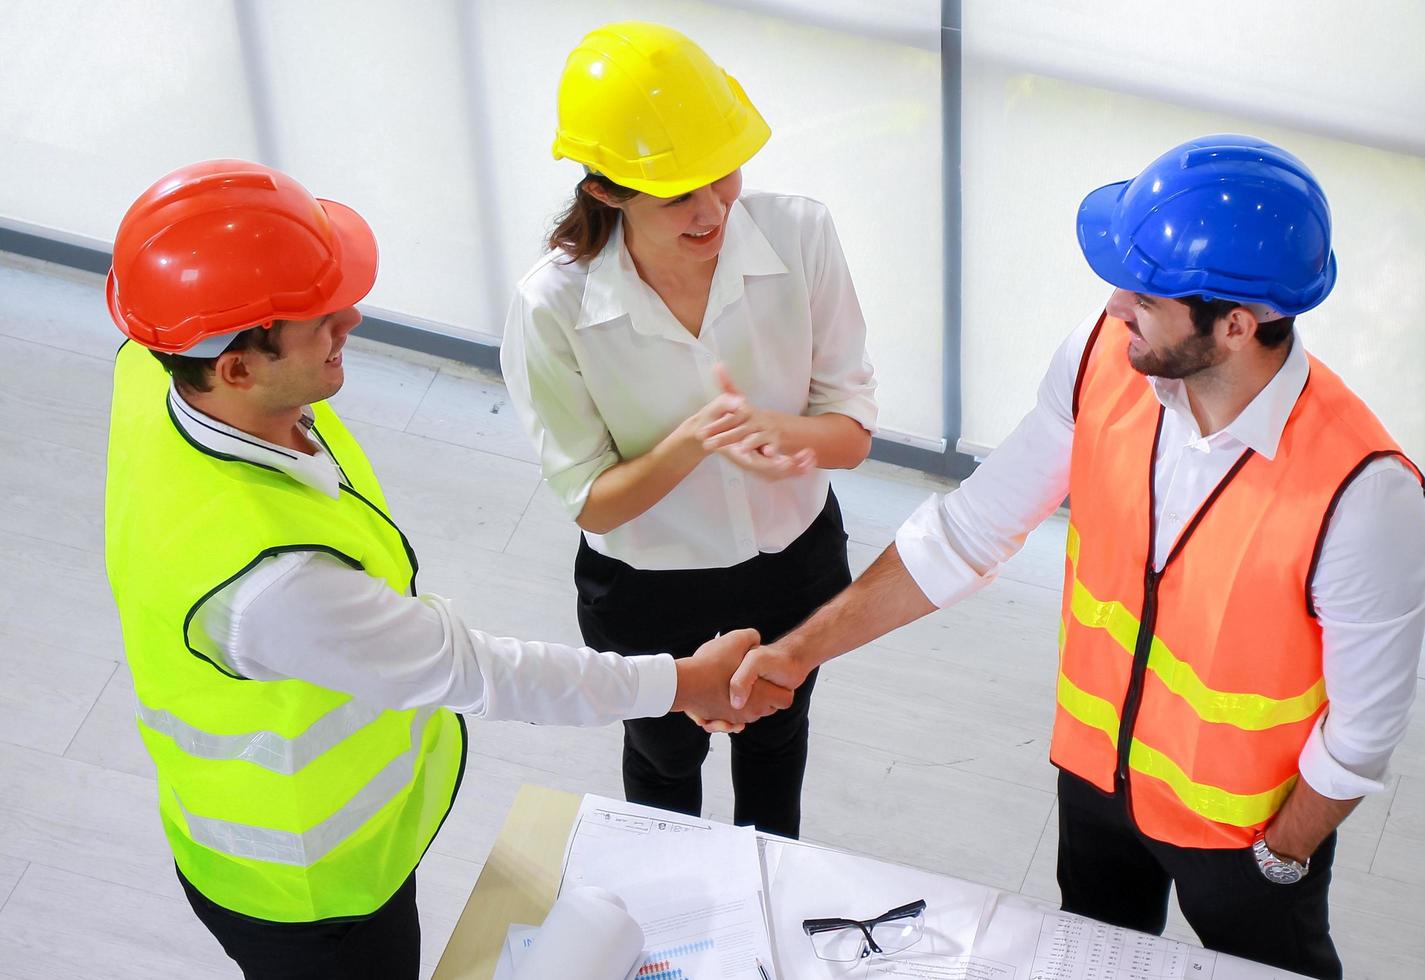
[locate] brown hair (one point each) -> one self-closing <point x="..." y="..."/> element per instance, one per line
<point x="196" y="373"/>
<point x="585" y="226"/>
<point x="1206" y="312"/>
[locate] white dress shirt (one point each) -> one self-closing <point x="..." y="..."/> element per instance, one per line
<point x="600" y="371"/>
<point x="309" y="616"/>
<point x="1369" y="588"/>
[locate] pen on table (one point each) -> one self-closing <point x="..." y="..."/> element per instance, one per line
<point x="761" y="970"/>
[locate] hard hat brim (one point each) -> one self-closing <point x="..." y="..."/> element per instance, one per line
<point x="359" y="258"/>
<point x="1096" y="240"/>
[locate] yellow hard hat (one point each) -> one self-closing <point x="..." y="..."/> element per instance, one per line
<point x="647" y="108"/>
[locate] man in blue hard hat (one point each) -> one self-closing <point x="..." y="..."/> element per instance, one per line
<point x="1242" y="556"/>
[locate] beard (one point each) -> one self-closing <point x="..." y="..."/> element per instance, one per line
<point x="1184" y="359"/>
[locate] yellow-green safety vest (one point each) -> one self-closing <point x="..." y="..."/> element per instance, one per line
<point x="282" y="800"/>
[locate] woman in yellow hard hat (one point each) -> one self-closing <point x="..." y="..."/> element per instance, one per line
<point x="689" y="359"/>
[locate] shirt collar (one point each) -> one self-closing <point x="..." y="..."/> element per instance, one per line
<point x="320" y="472"/>
<point x="1259" y="426"/>
<point x="613" y="283"/>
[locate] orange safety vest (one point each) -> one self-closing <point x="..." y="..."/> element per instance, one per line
<point x="1195" y="687"/>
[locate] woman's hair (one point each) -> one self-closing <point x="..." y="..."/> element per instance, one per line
<point x="584" y="228"/>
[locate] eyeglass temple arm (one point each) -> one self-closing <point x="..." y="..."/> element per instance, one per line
<point x="903" y="912"/>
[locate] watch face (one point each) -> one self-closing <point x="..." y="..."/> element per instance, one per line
<point x="1280" y="872"/>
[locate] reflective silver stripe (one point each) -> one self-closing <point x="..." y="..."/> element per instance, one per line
<point x="308" y="847"/>
<point x="266" y="749"/>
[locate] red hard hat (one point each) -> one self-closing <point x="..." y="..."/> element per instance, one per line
<point x="217" y="247"/>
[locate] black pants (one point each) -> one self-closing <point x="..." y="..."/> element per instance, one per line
<point x="1110" y="871"/>
<point x="383" y="946"/>
<point x="632" y="611"/>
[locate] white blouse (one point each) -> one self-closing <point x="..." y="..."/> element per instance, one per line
<point x="600" y="371"/>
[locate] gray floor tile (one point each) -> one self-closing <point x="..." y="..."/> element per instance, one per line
<point x="1400" y="853"/>
<point x="56" y="306"/>
<point x="56" y="496"/>
<point x="1009" y="626"/>
<point x="1359" y="839"/>
<point x="81" y="818"/>
<point x="379" y="389"/>
<point x="54" y="395"/>
<point x="46" y="692"/>
<point x="474" y="411"/>
<point x="1379" y="895"/>
<point x="876" y="499"/>
<point x="546" y="532"/>
<point x="1041" y="560"/>
<point x="109" y="737"/>
<point x="1372" y="947"/>
<point x="10" y="871"/>
<point x="955" y="822"/>
<point x="1040" y="881"/>
<point x="936" y="713"/>
<point x="57" y="594"/>
<point x="59" y="925"/>
<point x="441" y="492"/>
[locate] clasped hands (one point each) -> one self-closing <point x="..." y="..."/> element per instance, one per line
<point x="749" y="436"/>
<point x="731" y="681"/>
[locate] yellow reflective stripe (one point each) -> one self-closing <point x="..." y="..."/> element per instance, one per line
<point x="1249" y="712"/>
<point x="1088" y="708"/>
<point x="1212" y="802"/>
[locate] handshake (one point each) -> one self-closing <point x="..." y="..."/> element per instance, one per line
<point x="731" y="681"/>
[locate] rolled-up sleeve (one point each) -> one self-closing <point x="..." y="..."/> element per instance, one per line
<point x="553" y="403"/>
<point x="1369" y="594"/>
<point x="842" y="379"/>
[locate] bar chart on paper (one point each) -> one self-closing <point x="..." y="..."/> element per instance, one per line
<point x="682" y="962"/>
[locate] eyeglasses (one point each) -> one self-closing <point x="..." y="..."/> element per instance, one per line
<point x="849" y="940"/>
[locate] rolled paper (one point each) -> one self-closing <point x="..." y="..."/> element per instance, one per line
<point x="588" y="935"/>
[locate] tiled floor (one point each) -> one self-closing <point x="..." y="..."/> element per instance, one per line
<point x="929" y="747"/>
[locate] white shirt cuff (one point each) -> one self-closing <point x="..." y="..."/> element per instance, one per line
<point x="928" y="555"/>
<point x="1327" y="776"/>
<point x="657" y="683"/>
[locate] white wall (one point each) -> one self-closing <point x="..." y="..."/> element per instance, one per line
<point x="434" y="118"/>
<point x="1034" y="144"/>
<point x="99" y="100"/>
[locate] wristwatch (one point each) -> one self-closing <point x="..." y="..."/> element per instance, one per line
<point x="1275" y="868"/>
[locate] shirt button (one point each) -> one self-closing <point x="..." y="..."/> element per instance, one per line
<point x="746" y="542"/>
<point x="734" y="483"/>
<point x="1173" y="518"/>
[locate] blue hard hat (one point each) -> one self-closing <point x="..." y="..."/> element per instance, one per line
<point x="1223" y="216"/>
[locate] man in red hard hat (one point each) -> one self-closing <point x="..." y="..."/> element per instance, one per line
<point x="300" y="701"/>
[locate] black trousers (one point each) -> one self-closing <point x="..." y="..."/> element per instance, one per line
<point x="1110" y="871"/>
<point x="633" y="611"/>
<point x="385" y="945"/>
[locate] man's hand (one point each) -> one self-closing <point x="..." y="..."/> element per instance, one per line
<point x="704" y="680"/>
<point x="766" y="665"/>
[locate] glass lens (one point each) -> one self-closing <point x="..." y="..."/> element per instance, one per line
<point x="839" y="945"/>
<point x="898" y="934"/>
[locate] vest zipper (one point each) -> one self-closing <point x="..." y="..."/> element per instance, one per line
<point x="1134" y="699"/>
